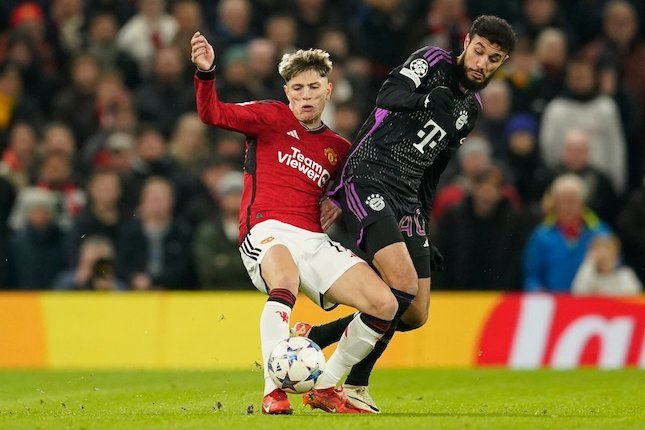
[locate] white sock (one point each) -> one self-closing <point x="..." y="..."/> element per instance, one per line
<point x="274" y="327"/>
<point x="355" y="344"/>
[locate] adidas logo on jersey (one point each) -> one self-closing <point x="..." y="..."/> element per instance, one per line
<point x="293" y="133"/>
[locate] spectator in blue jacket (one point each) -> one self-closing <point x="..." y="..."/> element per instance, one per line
<point x="557" y="247"/>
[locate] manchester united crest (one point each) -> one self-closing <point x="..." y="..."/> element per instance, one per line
<point x="331" y="155"/>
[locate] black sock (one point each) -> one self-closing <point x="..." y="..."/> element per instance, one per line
<point x="401" y="326"/>
<point x="326" y="334"/>
<point x="360" y="373"/>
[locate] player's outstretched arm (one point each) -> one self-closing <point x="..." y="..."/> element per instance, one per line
<point x="202" y="53"/>
<point x="395" y="95"/>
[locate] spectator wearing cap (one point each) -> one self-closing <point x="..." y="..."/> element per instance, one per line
<point x="556" y="248"/>
<point x="119" y="152"/>
<point x="481" y="239"/>
<point x="527" y="172"/>
<point x="215" y="243"/>
<point x="37" y="249"/>
<point x="474" y="156"/>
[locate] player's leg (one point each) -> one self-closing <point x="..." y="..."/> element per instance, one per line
<point x="329" y="333"/>
<point x="396" y="268"/>
<point x="273" y="270"/>
<point x="353" y="283"/>
<point x="419" y="311"/>
<point x="326" y="334"/>
<point x="370" y="229"/>
<point x="358" y="378"/>
<point x="280" y="274"/>
<point x="362" y="289"/>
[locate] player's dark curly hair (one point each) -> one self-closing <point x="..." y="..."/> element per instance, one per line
<point x="496" y="30"/>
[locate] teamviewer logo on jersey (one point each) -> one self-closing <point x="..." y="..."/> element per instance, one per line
<point x="305" y="165"/>
<point x="376" y="202"/>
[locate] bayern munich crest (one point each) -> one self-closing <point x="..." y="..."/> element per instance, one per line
<point x="376" y="202"/>
<point x="462" y="120"/>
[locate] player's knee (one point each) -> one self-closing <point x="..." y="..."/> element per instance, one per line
<point x="406" y="283"/>
<point x="383" y="305"/>
<point x="286" y="281"/>
<point x="389" y="306"/>
<point x="413" y="319"/>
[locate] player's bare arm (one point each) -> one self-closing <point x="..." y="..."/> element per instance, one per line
<point x="202" y="53"/>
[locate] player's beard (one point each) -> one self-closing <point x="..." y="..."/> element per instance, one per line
<point x="468" y="83"/>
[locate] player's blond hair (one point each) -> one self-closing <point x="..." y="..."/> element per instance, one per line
<point x="302" y="60"/>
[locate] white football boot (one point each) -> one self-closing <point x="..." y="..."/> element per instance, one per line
<point x="359" y="397"/>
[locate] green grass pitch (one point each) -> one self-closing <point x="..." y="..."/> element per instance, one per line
<point x="410" y="399"/>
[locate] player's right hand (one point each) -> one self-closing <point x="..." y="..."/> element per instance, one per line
<point x="329" y="212"/>
<point x="440" y="99"/>
<point x="202" y="53"/>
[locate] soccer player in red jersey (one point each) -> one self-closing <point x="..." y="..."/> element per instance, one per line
<point x="290" y="157"/>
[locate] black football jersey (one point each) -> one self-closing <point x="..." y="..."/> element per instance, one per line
<point x="394" y="148"/>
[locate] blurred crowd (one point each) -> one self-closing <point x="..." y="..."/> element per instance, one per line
<point x="109" y="180"/>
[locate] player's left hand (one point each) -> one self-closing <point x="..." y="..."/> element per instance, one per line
<point x="437" y="263"/>
<point x="329" y="212"/>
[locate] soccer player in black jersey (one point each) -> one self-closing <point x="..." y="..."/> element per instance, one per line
<point x="424" y="110"/>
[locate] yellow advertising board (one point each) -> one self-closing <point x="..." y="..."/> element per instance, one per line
<point x="204" y="330"/>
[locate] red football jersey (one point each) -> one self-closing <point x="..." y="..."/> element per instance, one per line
<point x="287" y="166"/>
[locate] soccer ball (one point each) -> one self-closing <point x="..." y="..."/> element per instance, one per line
<point x="296" y="364"/>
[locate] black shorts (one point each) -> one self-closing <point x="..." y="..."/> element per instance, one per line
<point x="371" y="221"/>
